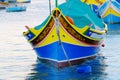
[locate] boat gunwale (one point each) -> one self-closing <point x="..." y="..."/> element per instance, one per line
<point x="91" y="41"/>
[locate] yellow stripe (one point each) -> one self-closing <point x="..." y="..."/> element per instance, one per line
<point x="82" y="30"/>
<point x="52" y="37"/>
<point x="36" y="32"/>
<point x="21" y="0"/>
<point x="96" y="2"/>
<point x="64" y="36"/>
<point x="111" y="11"/>
<point x="4" y="3"/>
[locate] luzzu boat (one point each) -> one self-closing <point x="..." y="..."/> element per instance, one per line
<point x="110" y="13"/>
<point x="65" y="37"/>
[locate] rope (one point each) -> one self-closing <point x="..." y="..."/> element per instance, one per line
<point x="57" y="23"/>
<point x="65" y="54"/>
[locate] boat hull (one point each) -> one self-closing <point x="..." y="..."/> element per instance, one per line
<point x="15" y="9"/>
<point x="113" y="28"/>
<point x="59" y="42"/>
<point x="65" y="63"/>
<point x="112" y="19"/>
<point x="56" y="52"/>
<point x="23" y="1"/>
<point x="110" y="14"/>
<point x="113" y="23"/>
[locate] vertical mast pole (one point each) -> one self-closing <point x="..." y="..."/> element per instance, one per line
<point x="50" y="6"/>
<point x="56" y="3"/>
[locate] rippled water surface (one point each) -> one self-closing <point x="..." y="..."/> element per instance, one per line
<point x="18" y="60"/>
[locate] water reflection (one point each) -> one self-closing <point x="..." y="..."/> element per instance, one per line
<point x="41" y="71"/>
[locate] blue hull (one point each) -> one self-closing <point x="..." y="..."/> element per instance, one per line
<point x="111" y="19"/>
<point x="113" y="23"/>
<point x="15" y="9"/>
<point x="55" y="52"/>
<point x="114" y="28"/>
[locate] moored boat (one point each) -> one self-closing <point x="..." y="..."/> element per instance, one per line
<point x="23" y="1"/>
<point x="68" y="36"/>
<point x="15" y="8"/>
<point x="10" y="1"/>
<point x="109" y="11"/>
<point x="3" y="5"/>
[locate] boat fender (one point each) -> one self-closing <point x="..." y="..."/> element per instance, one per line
<point x="103" y="45"/>
<point x="84" y="69"/>
<point x="70" y="19"/>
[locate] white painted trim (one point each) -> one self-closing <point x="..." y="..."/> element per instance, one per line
<point x="66" y="60"/>
<point x="110" y="5"/>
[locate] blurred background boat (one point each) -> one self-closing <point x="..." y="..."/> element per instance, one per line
<point x="10" y="1"/>
<point x="3" y="4"/>
<point x="109" y="11"/>
<point x="15" y="8"/>
<point x="23" y="1"/>
<point x="16" y="5"/>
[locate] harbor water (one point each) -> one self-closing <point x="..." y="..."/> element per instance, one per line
<point x="18" y="61"/>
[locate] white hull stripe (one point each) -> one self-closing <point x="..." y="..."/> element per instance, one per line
<point x="66" y="59"/>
